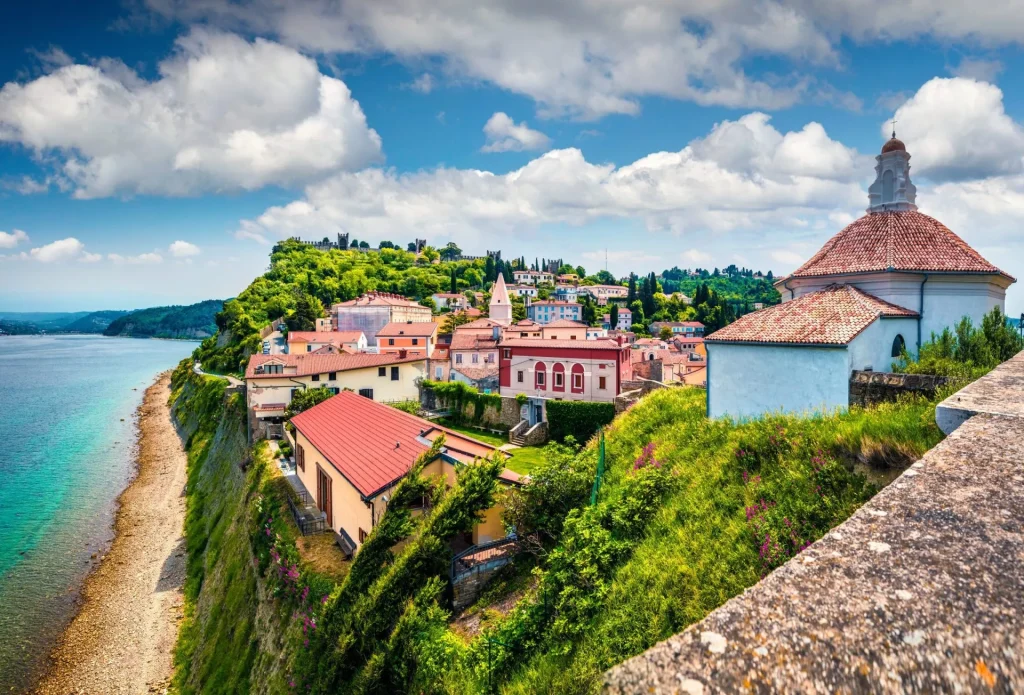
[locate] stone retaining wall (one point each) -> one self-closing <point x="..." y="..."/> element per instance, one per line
<point x="868" y="388"/>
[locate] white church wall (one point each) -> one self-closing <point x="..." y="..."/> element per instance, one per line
<point x="947" y="299"/>
<point x="746" y="381"/>
<point x="872" y="348"/>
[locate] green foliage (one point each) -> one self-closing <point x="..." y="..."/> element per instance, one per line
<point x="411" y="406"/>
<point x="459" y="397"/>
<point x="966" y="352"/>
<point x="304" y="399"/>
<point x="193" y="321"/>
<point x="298" y="269"/>
<point x="578" y="419"/>
<point x="307" y="310"/>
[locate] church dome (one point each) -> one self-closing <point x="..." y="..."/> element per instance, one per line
<point x="894" y="145"/>
<point x="896" y="240"/>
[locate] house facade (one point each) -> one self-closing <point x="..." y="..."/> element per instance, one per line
<point x="602" y="293"/>
<point x="449" y="300"/>
<point x="547" y="311"/>
<point x="624" y="320"/>
<point x="272" y="380"/>
<point x="374" y="310"/>
<point x="309" y="341"/>
<point x="532" y="277"/>
<point x="351" y="452"/>
<point x="523" y="290"/>
<point x="680" y="328"/>
<point x="582" y="370"/>
<point x="567" y="293"/>
<point x="563" y="329"/>
<point x="411" y="337"/>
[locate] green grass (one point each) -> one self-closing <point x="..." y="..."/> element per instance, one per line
<point x="698" y="548"/>
<point x="524" y="459"/>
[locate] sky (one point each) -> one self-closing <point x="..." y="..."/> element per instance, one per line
<point x="152" y="151"/>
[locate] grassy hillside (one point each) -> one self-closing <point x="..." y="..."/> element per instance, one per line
<point x="94" y="322"/>
<point x="33" y="323"/>
<point x="192" y="322"/>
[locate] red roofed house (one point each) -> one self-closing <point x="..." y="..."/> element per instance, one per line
<point x="887" y="281"/>
<point x="308" y="341"/>
<point x="271" y="380"/>
<point x="350" y="452"/>
<point x="413" y="337"/>
<point x="575" y="370"/>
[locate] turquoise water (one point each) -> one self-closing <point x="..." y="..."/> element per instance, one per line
<point x="67" y="438"/>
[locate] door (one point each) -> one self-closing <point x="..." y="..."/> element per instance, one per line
<point x="323" y="495"/>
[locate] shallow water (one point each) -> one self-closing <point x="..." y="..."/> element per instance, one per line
<point x="67" y="436"/>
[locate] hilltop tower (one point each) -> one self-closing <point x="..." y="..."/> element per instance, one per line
<point x="501" y="305"/>
<point x="892" y="189"/>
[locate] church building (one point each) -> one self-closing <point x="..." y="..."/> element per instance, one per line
<point x="887" y="281"/>
<point x="500" y="307"/>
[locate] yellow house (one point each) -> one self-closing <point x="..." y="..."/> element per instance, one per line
<point x="350" y="452"/>
<point x="272" y="380"/>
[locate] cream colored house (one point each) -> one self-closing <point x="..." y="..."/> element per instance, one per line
<point x="351" y="452"/>
<point x="271" y="380"/>
<point x="308" y="341"/>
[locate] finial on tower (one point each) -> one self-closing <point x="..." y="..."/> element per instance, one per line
<point x="894" y="129"/>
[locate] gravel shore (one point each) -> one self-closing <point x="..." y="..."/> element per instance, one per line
<point x="122" y="640"/>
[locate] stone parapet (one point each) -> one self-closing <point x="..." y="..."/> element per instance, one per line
<point x="869" y="388"/>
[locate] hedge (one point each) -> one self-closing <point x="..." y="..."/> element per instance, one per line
<point x="580" y="419"/>
<point x="457" y="396"/>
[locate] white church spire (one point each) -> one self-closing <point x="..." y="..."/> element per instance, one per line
<point x="892" y="189"/>
<point x="501" y="305"/>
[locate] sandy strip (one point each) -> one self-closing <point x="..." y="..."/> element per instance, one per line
<point x="122" y="640"/>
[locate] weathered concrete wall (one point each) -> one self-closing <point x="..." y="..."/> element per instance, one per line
<point x="649" y="369"/>
<point x="919" y="591"/>
<point x="868" y="388"/>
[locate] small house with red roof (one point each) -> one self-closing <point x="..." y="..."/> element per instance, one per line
<point x="413" y="337"/>
<point x="309" y="341"/>
<point x="350" y="452"/>
<point x="883" y="284"/>
<point x="374" y="310"/>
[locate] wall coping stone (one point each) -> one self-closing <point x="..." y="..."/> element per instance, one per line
<point x="920" y="590"/>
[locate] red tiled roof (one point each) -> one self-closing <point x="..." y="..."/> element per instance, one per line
<point x="479" y="323"/>
<point x="832" y="316"/>
<point x="307" y="363"/>
<point x="525" y="323"/>
<point x="895" y="240"/>
<point x="416" y="329"/>
<point x="565" y="323"/>
<point x="330" y="337"/>
<point x="472" y="341"/>
<point x="373" y="445"/>
<point x="476" y="373"/>
<point x="597" y="344"/>
<point x="547" y="302"/>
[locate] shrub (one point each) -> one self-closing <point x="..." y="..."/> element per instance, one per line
<point x="578" y="419"/>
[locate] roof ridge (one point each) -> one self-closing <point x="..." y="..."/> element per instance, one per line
<point x="890" y="251"/>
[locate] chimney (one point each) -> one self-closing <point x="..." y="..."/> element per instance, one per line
<point x="403" y="353"/>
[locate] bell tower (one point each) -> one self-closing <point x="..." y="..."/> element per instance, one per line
<point x="892" y="189"/>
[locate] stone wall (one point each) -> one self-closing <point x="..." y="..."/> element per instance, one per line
<point x="525" y="435"/>
<point x="868" y="388"/>
<point x="467" y="588"/>
<point x="649" y="369"/>
<point x="504" y="418"/>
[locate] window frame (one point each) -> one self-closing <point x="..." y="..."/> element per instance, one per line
<point x="382" y="371"/>
<point x="300" y="458"/>
<point x="394" y="374"/>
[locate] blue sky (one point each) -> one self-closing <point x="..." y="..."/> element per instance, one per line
<point x="150" y="151"/>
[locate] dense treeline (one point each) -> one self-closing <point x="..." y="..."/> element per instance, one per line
<point x="192" y="321"/>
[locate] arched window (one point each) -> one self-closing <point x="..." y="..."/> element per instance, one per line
<point x="540" y="376"/>
<point x="558" y="377"/>
<point x="888" y="187"/>
<point x="898" y="345"/>
<point x="650" y="357"/>
<point x="577" y="378"/>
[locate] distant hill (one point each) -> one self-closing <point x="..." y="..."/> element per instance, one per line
<point x="33" y="323"/>
<point x="196" y="321"/>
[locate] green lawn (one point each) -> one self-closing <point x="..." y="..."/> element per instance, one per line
<point x="523" y="460"/>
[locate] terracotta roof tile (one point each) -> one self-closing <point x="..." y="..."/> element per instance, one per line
<point x="896" y="240"/>
<point x="832" y="316"/>
<point x="472" y="341"/>
<point x="379" y="299"/>
<point x="330" y="337"/>
<point x="565" y="323"/>
<point x="476" y="373"/>
<point x="597" y="344"/>
<point x="373" y="445"/>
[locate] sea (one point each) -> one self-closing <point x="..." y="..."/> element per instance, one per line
<point x="67" y="443"/>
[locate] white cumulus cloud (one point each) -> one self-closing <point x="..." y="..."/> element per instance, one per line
<point x="695" y="256"/>
<point x="505" y="135"/>
<point x="957" y="128"/>
<point x="183" y="249"/>
<point x="8" y="240"/>
<point x="223" y="114"/>
<point x="60" y="250"/>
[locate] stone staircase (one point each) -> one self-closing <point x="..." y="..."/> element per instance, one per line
<point x="525" y="435"/>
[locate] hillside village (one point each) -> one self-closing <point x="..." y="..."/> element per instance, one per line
<point x="512" y="377"/>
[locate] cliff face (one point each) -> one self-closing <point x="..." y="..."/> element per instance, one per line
<point x="232" y="636"/>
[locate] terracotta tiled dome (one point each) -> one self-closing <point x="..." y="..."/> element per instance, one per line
<point x="894" y="145"/>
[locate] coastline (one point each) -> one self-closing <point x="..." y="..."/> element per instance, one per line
<point x="122" y="638"/>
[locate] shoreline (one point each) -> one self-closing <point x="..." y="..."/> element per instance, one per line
<point x="122" y="637"/>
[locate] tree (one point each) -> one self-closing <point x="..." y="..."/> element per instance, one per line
<point x="631" y="296"/>
<point x="581" y="271"/>
<point x="588" y="312"/>
<point x="305" y="399"/>
<point x="307" y="310"/>
<point x="354" y="244"/>
<point x="489" y="274"/>
<point x="453" y="321"/>
<point x="386" y="245"/>
<point x="454" y="282"/>
<point x="364" y="245"/>
<point x="451" y="251"/>
<point x="429" y="303"/>
<point x="769" y="276"/>
<point x="665" y="333"/>
<point x="411" y="246"/>
<point x="430" y="253"/>
<point x="606" y="278"/>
